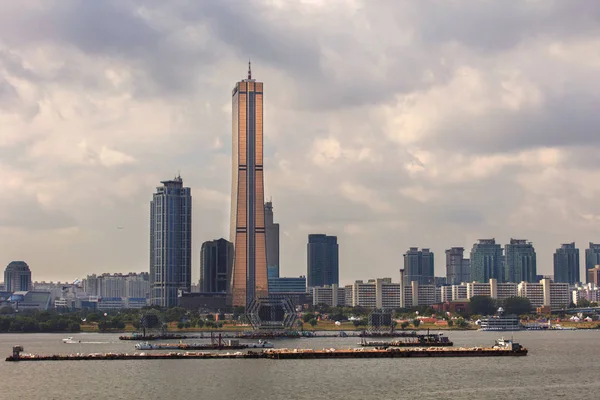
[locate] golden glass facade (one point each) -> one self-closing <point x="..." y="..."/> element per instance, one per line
<point x="249" y="277"/>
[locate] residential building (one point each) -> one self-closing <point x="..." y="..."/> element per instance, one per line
<point x="520" y="261"/>
<point x="457" y="267"/>
<point x="419" y="266"/>
<point x="546" y="293"/>
<point x="387" y="294"/>
<point x="415" y="295"/>
<point x="487" y="261"/>
<point x="592" y="257"/>
<point x="589" y="292"/>
<point x="493" y="289"/>
<point x="272" y="235"/>
<point x="322" y="260"/>
<point x="170" y="242"/>
<point x="216" y="262"/>
<point x="249" y="277"/>
<point x="566" y="264"/>
<point x="17" y="277"/>
<point x="593" y="275"/>
<point x="459" y="292"/>
<point x="331" y="295"/>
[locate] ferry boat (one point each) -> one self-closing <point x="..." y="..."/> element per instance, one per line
<point x="501" y="322"/>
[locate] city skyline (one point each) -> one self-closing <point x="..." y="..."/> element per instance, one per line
<point x="477" y="136"/>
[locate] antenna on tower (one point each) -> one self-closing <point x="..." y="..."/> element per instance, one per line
<point x="249" y="70"/>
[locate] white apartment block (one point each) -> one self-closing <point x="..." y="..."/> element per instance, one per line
<point x="492" y="289"/>
<point x="546" y="293"/>
<point x="459" y="292"/>
<point x="331" y="296"/>
<point x="418" y="295"/>
<point x="589" y="292"/>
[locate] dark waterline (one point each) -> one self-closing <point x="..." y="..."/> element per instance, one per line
<point x="561" y="364"/>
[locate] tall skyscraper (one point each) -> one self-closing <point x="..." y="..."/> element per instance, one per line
<point x="457" y="267"/>
<point x="216" y="262"/>
<point x="592" y="257"/>
<point x="170" y="242"/>
<point x="566" y="264"/>
<point x="322" y="260"/>
<point x="17" y="277"/>
<point x="487" y="261"/>
<point x="249" y="279"/>
<point x="520" y="262"/>
<point x="272" y="231"/>
<point x="418" y="266"/>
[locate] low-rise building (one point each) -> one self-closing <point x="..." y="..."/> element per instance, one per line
<point x="332" y="296"/>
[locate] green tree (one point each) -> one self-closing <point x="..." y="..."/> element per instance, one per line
<point x="416" y="322"/>
<point x="7" y="310"/>
<point x="404" y="325"/>
<point x="313" y="322"/>
<point x="583" y="303"/>
<point x="517" y="305"/>
<point x="483" y="305"/>
<point x="461" y="323"/>
<point x="75" y="327"/>
<point x="450" y="322"/>
<point x="306" y="317"/>
<point x="180" y="325"/>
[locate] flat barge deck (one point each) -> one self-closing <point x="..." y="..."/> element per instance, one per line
<point x="283" y="354"/>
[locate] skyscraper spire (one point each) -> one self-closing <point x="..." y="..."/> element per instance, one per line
<point x="249" y="70"/>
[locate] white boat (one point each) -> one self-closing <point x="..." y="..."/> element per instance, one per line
<point x="145" y="346"/>
<point x="262" y="344"/>
<point x="70" y="340"/>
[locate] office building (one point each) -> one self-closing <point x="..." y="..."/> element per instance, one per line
<point x="287" y="285"/>
<point x="419" y="266"/>
<point x="487" y="261"/>
<point x="566" y="264"/>
<point x="457" y="267"/>
<point x="249" y="276"/>
<point x="592" y="257"/>
<point x="593" y="276"/>
<point x="170" y="242"/>
<point x="520" y="261"/>
<point x="17" y="277"/>
<point x="216" y="262"/>
<point x="322" y="260"/>
<point x="272" y="232"/>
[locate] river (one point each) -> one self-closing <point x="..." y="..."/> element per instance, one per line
<point x="560" y="364"/>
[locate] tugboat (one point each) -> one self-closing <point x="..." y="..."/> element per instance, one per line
<point x="504" y="344"/>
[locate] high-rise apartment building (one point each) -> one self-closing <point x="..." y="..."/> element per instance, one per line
<point x="247" y="234"/>
<point x="272" y="232"/>
<point x="418" y="266"/>
<point x="216" y="261"/>
<point x="170" y="242"/>
<point x="520" y="261"/>
<point x="566" y="264"/>
<point x="457" y="267"/>
<point x="593" y="276"/>
<point x="17" y="277"/>
<point x="487" y="261"/>
<point x="592" y="257"/>
<point x="322" y="260"/>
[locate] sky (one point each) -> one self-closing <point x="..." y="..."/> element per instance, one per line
<point x="389" y="123"/>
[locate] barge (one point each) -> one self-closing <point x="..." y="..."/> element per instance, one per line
<point x="429" y="340"/>
<point x="220" y="345"/>
<point x="502" y="348"/>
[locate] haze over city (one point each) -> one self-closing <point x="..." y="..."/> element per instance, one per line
<point x="385" y="124"/>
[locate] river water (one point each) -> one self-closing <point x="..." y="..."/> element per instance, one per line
<point x="560" y="364"/>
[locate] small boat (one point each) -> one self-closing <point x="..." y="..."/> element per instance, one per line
<point x="145" y="346"/>
<point x="504" y="344"/>
<point x="70" y="340"/>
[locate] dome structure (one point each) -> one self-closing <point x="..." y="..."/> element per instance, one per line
<point x="17" y="277"/>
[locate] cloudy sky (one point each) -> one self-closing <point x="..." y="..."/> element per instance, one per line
<point x="388" y="123"/>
